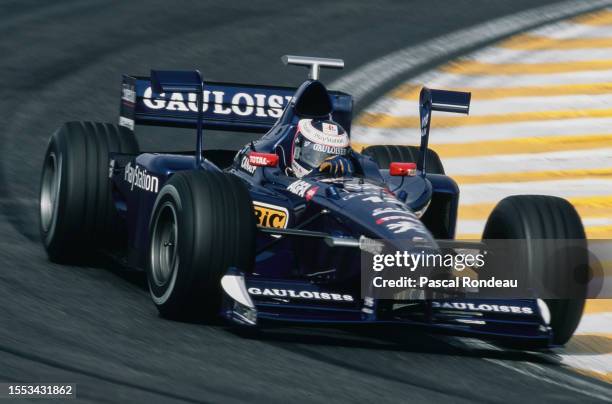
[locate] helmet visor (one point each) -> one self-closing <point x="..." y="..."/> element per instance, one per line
<point x="313" y="154"/>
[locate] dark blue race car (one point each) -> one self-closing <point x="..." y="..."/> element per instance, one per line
<point x="236" y="234"/>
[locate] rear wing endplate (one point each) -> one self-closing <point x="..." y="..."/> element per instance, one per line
<point x="438" y="100"/>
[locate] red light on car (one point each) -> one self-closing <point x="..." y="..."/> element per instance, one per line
<point x="258" y="159"/>
<point x="402" y="169"/>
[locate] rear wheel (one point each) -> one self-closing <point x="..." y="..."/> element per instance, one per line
<point x="384" y="155"/>
<point x="76" y="212"/>
<point x="202" y="224"/>
<point x="537" y="217"/>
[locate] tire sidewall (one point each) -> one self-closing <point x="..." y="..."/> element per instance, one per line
<point x="162" y="294"/>
<point x="48" y="233"/>
<point x="58" y="238"/>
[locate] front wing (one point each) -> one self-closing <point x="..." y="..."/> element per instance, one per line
<point x="253" y="302"/>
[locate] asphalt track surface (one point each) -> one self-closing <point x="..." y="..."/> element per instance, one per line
<point x="97" y="326"/>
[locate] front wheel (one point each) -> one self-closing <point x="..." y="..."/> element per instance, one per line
<point x="534" y="218"/>
<point x="202" y="224"/>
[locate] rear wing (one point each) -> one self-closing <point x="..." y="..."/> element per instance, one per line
<point x="438" y="100"/>
<point x="226" y="106"/>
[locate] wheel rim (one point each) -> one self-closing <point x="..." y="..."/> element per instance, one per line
<point x="49" y="191"/>
<point x="164" y="245"/>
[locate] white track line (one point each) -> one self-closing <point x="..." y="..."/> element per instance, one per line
<point x="521" y="163"/>
<point x="476" y="227"/>
<point x="442" y="79"/>
<point x="400" y="107"/>
<point x="595" y="323"/>
<point x="504" y="55"/>
<point x="494" y="192"/>
<point x="477" y="133"/>
<point x="566" y="30"/>
<point x="366" y="79"/>
<point x="601" y="363"/>
<point x="548" y="103"/>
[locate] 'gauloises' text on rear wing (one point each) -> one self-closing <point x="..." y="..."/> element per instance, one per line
<point x="226" y="106"/>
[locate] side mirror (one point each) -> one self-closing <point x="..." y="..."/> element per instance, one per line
<point x="258" y="159"/>
<point x="402" y="169"/>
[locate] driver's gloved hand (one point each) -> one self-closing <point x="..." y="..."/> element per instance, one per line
<point x="337" y="166"/>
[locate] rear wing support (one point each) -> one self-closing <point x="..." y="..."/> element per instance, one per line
<point x="183" y="82"/>
<point x="438" y="100"/>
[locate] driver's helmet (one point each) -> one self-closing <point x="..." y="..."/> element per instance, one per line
<point x="316" y="140"/>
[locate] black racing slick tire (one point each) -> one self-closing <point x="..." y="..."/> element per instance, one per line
<point x="202" y="224"/>
<point x="76" y="213"/>
<point x="384" y="155"/>
<point x="563" y="265"/>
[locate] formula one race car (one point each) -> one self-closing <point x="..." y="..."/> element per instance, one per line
<point x="237" y="234"/>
